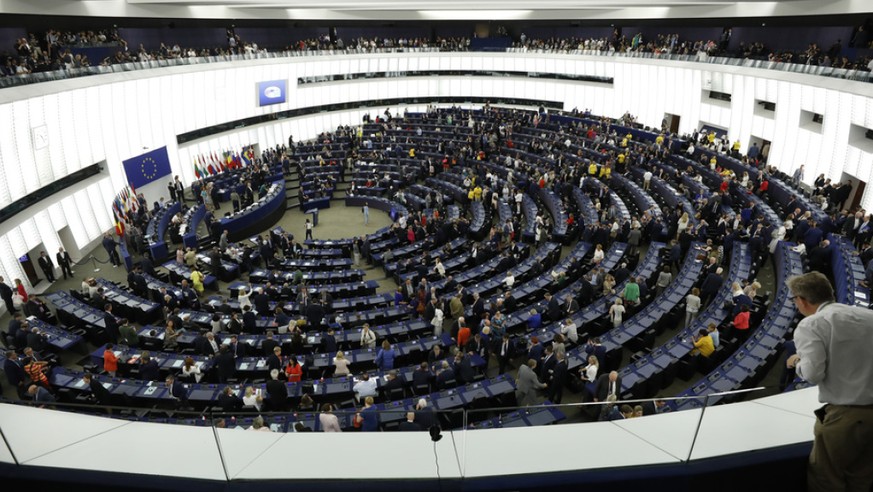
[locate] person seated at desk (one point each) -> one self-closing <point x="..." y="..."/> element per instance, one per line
<point x="39" y="394"/>
<point x="421" y="378"/>
<point x="98" y="391"/>
<point x="275" y="360"/>
<point x="277" y="392"/>
<point x="365" y="387"/>
<point x="392" y="383"/>
<point x="148" y="367"/>
<point x="435" y="354"/>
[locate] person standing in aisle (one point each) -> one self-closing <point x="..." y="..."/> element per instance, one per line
<point x="308" y="226"/>
<point x="366" y="211"/>
<point x="65" y="262"/>
<point x="835" y="351"/>
<point x="48" y="268"/>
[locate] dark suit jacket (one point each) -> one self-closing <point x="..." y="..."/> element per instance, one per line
<point x="407" y="426"/>
<point x="268" y="345"/>
<point x="601" y="387"/>
<point x="149" y="371"/>
<point x="100" y="393"/>
<point x="14" y="372"/>
<point x="225" y="366"/>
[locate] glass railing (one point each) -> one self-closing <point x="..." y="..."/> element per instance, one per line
<point x="702" y="57"/>
<point x="644" y="432"/>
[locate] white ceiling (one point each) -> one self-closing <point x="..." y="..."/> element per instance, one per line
<point x="485" y="10"/>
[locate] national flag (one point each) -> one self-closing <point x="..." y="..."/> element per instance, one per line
<point x="246" y="158"/>
<point x="228" y="158"/>
<point x="196" y="170"/>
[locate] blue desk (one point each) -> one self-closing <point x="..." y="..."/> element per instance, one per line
<point x="157" y="230"/>
<point x="192" y="221"/>
<point x="128" y="305"/>
<point x="258" y="216"/>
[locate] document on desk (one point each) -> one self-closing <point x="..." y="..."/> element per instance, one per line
<point x="244" y="366"/>
<point x="261" y="363"/>
<point x="150" y="390"/>
<point x="178" y="363"/>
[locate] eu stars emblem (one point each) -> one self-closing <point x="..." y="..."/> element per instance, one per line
<point x="149" y="168"/>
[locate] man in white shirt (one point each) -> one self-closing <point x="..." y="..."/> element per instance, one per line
<point x="647" y="179"/>
<point x="364" y="387"/>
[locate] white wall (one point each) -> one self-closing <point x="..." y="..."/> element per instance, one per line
<point x="115" y="116"/>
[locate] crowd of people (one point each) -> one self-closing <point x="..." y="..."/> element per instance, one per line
<point x="535" y="151"/>
<point x="54" y="50"/>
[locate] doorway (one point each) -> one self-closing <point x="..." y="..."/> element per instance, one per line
<point x="763" y="147"/>
<point x="670" y="123"/>
<point x="29" y="269"/>
<point x="853" y="202"/>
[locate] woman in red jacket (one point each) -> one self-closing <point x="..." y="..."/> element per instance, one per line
<point x="110" y="361"/>
<point x="741" y="323"/>
<point x="21" y="290"/>
<point x="294" y="371"/>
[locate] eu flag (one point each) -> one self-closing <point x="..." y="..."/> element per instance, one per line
<point x="143" y="169"/>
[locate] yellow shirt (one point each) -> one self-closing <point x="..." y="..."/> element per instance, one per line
<point x="624" y="142"/>
<point x="621" y="158"/>
<point x="411" y="152"/>
<point x="605" y="172"/>
<point x="737" y="146"/>
<point x="711" y="137"/>
<point x="659" y="140"/>
<point x="592" y="169"/>
<point x="705" y="346"/>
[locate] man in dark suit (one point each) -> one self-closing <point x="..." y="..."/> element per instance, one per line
<point x="48" y="268"/>
<point x="314" y="315"/>
<point x="6" y="295"/>
<point x="225" y="365"/>
<point x="110" y="323"/>
<point x="177" y="391"/>
<point x="277" y="392"/>
<point x="110" y="245"/>
<point x="409" y="425"/>
<point x="98" y="392"/>
<point x="466" y="374"/>
<point x="392" y="384"/>
<point x="503" y="351"/>
<point x="328" y="342"/>
<point x="547" y="364"/>
<point x="586" y="291"/>
<point x="421" y="378"/>
<point x="261" y="301"/>
<point x="249" y="320"/>
<point x="559" y="378"/>
<point x="709" y="287"/>
<point x="607" y="385"/>
<point x="236" y="349"/>
<point x="269" y="344"/>
<point x="275" y="361"/>
<point x="445" y="375"/>
<point x="553" y="308"/>
<point x="65" y="262"/>
<point x="536" y="350"/>
<point x="148" y="367"/>
<point x="146" y="264"/>
<point x="14" y="370"/>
